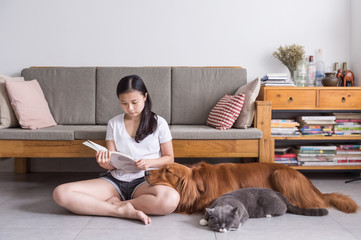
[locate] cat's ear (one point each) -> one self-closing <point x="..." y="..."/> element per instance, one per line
<point x="235" y="211"/>
<point x="210" y="210"/>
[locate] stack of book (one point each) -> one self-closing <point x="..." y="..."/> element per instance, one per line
<point x="317" y="125"/>
<point x="348" y="123"/>
<point x="348" y="155"/>
<point x="277" y="79"/>
<point x="316" y="155"/>
<point x="284" y="127"/>
<point x="284" y="156"/>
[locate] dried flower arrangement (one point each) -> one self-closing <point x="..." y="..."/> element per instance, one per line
<point x="290" y="55"/>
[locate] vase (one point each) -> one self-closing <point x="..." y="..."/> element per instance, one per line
<point x="330" y="80"/>
<point x="292" y="74"/>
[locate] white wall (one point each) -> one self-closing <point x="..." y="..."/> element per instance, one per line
<point x="169" y="32"/>
<point x="356" y="40"/>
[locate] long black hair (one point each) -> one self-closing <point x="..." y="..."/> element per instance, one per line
<point x="148" y="122"/>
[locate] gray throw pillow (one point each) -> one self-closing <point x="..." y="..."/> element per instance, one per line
<point x="251" y="90"/>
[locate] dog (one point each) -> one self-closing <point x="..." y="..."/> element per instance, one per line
<point x="200" y="184"/>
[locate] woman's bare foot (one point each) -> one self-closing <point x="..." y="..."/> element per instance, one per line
<point x="126" y="210"/>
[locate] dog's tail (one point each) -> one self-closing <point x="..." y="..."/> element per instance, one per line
<point x="341" y="202"/>
<point x="302" y="193"/>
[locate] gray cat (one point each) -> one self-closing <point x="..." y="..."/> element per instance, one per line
<point x="232" y="210"/>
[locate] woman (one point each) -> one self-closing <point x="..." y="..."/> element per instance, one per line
<point x="141" y="134"/>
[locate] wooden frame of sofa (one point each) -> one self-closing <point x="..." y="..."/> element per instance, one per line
<point x="23" y="150"/>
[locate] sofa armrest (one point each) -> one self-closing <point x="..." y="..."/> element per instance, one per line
<point x="262" y="121"/>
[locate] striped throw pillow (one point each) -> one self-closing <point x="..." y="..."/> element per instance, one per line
<point x="226" y="111"/>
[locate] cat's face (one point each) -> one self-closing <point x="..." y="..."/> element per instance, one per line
<point x="223" y="218"/>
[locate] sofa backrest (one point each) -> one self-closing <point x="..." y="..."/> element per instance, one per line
<point x="195" y="91"/>
<point x="70" y="92"/>
<point x="181" y="95"/>
<point x="157" y="80"/>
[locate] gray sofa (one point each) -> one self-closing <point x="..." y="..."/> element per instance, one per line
<point x="83" y="99"/>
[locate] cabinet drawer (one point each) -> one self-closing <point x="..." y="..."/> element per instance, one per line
<point x="340" y="99"/>
<point x="291" y="99"/>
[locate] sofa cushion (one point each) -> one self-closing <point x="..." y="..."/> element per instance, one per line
<point x="70" y="92"/>
<point x="156" y="79"/>
<point x="29" y="104"/>
<point x="7" y="115"/>
<point x="195" y="91"/>
<point x="251" y="90"/>
<point x="226" y="111"/>
<point x="91" y="132"/>
<point x="206" y="132"/>
<point x="58" y="132"/>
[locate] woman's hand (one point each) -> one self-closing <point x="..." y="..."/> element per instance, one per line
<point x="143" y="164"/>
<point x="103" y="159"/>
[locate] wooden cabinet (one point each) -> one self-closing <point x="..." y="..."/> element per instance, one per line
<point x="313" y="100"/>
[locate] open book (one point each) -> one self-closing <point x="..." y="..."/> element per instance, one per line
<point x="117" y="159"/>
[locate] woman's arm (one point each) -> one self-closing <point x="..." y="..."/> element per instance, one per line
<point x="103" y="157"/>
<point x="167" y="157"/>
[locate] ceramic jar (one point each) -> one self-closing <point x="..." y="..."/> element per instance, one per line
<point x="330" y="80"/>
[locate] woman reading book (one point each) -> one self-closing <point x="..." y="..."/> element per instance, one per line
<point x="144" y="136"/>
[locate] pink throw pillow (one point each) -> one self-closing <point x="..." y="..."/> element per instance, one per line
<point x="29" y="104"/>
<point x="226" y="111"/>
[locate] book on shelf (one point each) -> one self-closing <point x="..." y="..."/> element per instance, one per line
<point x="282" y="120"/>
<point x="348" y="152"/>
<point x="320" y="151"/>
<point x="284" y="84"/>
<point x="283" y="150"/>
<point x="348" y="121"/>
<point x="286" y="155"/>
<point x="317" y="118"/>
<point x="349" y="147"/>
<point x="348" y="116"/>
<point x="315" y="159"/>
<point x="284" y="124"/>
<point x="288" y="162"/>
<point x="117" y="159"/>
<point x="326" y="147"/>
<point x="306" y="163"/>
<point x="316" y="122"/>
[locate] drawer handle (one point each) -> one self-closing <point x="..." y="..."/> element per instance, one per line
<point x="343" y="99"/>
<point x="290" y="100"/>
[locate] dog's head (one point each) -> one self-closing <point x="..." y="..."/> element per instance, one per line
<point x="187" y="182"/>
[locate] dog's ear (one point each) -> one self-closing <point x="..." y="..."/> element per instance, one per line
<point x="188" y="192"/>
<point x="199" y="181"/>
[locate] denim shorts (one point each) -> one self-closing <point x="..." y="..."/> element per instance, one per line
<point x="125" y="189"/>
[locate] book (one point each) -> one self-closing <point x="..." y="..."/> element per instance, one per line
<point x="328" y="118"/>
<point x="303" y="163"/>
<point x="317" y="151"/>
<point x="331" y="147"/>
<point x="286" y="155"/>
<point x="284" y="124"/>
<point x="348" y="116"/>
<point x="281" y="151"/>
<point x="117" y="159"/>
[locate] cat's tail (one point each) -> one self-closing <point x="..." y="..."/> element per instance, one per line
<point x="303" y="211"/>
<point x="341" y="202"/>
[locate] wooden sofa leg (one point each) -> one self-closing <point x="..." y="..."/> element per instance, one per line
<point x="21" y="165"/>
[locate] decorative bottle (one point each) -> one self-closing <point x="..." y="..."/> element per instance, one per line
<point x="311" y="72"/>
<point x="320" y="68"/>
<point x="301" y="73"/>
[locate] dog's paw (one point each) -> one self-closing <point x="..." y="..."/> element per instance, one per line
<point x="203" y="222"/>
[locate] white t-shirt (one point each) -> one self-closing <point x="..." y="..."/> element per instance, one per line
<point x="148" y="148"/>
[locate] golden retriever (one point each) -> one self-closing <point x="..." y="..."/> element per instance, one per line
<point x="200" y="184"/>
